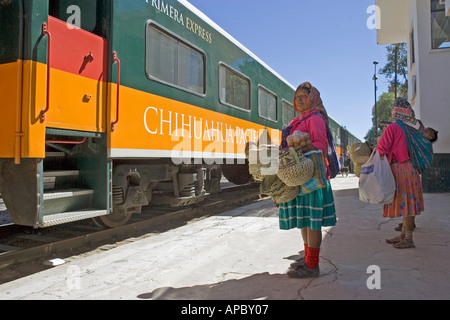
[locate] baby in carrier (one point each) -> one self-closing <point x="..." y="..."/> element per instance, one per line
<point x="431" y="134"/>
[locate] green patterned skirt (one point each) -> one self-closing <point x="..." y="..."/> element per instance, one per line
<point x="313" y="210"/>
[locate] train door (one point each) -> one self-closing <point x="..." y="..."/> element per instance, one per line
<point x="63" y="166"/>
<point x="75" y="170"/>
<point x="78" y="62"/>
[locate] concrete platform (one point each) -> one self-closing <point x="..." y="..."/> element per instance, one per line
<point x="242" y="254"/>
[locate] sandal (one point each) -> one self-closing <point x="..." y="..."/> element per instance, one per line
<point x="404" y="244"/>
<point x="394" y="240"/>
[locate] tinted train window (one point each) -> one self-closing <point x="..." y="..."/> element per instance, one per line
<point x="267" y="104"/>
<point x="234" y="88"/>
<point x="173" y="61"/>
<point x="287" y="111"/>
<point x="86" y="14"/>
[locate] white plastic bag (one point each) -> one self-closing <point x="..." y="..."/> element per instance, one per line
<point x="376" y="182"/>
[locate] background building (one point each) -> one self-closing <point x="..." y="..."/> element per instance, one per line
<point x="425" y="26"/>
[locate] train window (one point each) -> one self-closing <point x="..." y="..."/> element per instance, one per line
<point x="287" y="111"/>
<point x="267" y="104"/>
<point x="86" y="14"/>
<point x="335" y="135"/>
<point x="234" y="88"/>
<point x="173" y="61"/>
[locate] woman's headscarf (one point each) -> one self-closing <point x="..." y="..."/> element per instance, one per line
<point x="419" y="147"/>
<point x="403" y="111"/>
<point x="314" y="100"/>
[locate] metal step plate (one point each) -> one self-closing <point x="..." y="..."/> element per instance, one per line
<point x="65" y="217"/>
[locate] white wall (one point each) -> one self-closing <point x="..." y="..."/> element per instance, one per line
<point x="432" y="70"/>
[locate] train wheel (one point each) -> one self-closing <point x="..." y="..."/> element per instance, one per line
<point x="112" y="220"/>
<point x="236" y="173"/>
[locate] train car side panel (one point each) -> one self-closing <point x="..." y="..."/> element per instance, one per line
<point x="182" y="106"/>
<point x="157" y="126"/>
<point x="10" y="84"/>
<point x="34" y="97"/>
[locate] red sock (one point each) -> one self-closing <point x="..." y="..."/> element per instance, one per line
<point x="306" y="251"/>
<point x="312" y="260"/>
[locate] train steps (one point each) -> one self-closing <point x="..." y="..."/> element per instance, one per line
<point x="65" y="197"/>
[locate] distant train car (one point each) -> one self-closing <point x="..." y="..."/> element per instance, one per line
<point x="108" y="106"/>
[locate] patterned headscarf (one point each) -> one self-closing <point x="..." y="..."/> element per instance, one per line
<point x="403" y="111"/>
<point x="314" y="100"/>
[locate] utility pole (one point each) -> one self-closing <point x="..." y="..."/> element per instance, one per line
<point x="375" y="87"/>
<point x="396" y="70"/>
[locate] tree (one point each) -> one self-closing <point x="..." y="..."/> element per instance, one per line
<point x="396" y="69"/>
<point x="384" y="108"/>
<point x="396" y="72"/>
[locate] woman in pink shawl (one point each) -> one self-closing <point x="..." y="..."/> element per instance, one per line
<point x="408" y="198"/>
<point x="312" y="211"/>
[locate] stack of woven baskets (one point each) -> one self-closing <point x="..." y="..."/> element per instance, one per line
<point x="359" y="154"/>
<point x="262" y="160"/>
<point x="277" y="189"/>
<point x="294" y="169"/>
<point x="291" y="170"/>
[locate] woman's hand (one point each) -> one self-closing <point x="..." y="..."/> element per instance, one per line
<point x="309" y="147"/>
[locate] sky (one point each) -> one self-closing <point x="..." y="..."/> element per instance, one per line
<point x="325" y="42"/>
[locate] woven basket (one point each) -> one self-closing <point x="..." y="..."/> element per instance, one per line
<point x="357" y="169"/>
<point x="256" y="167"/>
<point x="278" y="190"/>
<point x="359" y="153"/>
<point x="295" y="169"/>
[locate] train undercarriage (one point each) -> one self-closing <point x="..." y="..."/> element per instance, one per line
<point x="77" y="181"/>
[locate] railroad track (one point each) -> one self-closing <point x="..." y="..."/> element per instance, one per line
<point x="19" y="245"/>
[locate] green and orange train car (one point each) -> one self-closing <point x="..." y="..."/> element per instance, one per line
<point x="111" y="105"/>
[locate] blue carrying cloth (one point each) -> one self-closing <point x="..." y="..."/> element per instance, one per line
<point x="420" y="148"/>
